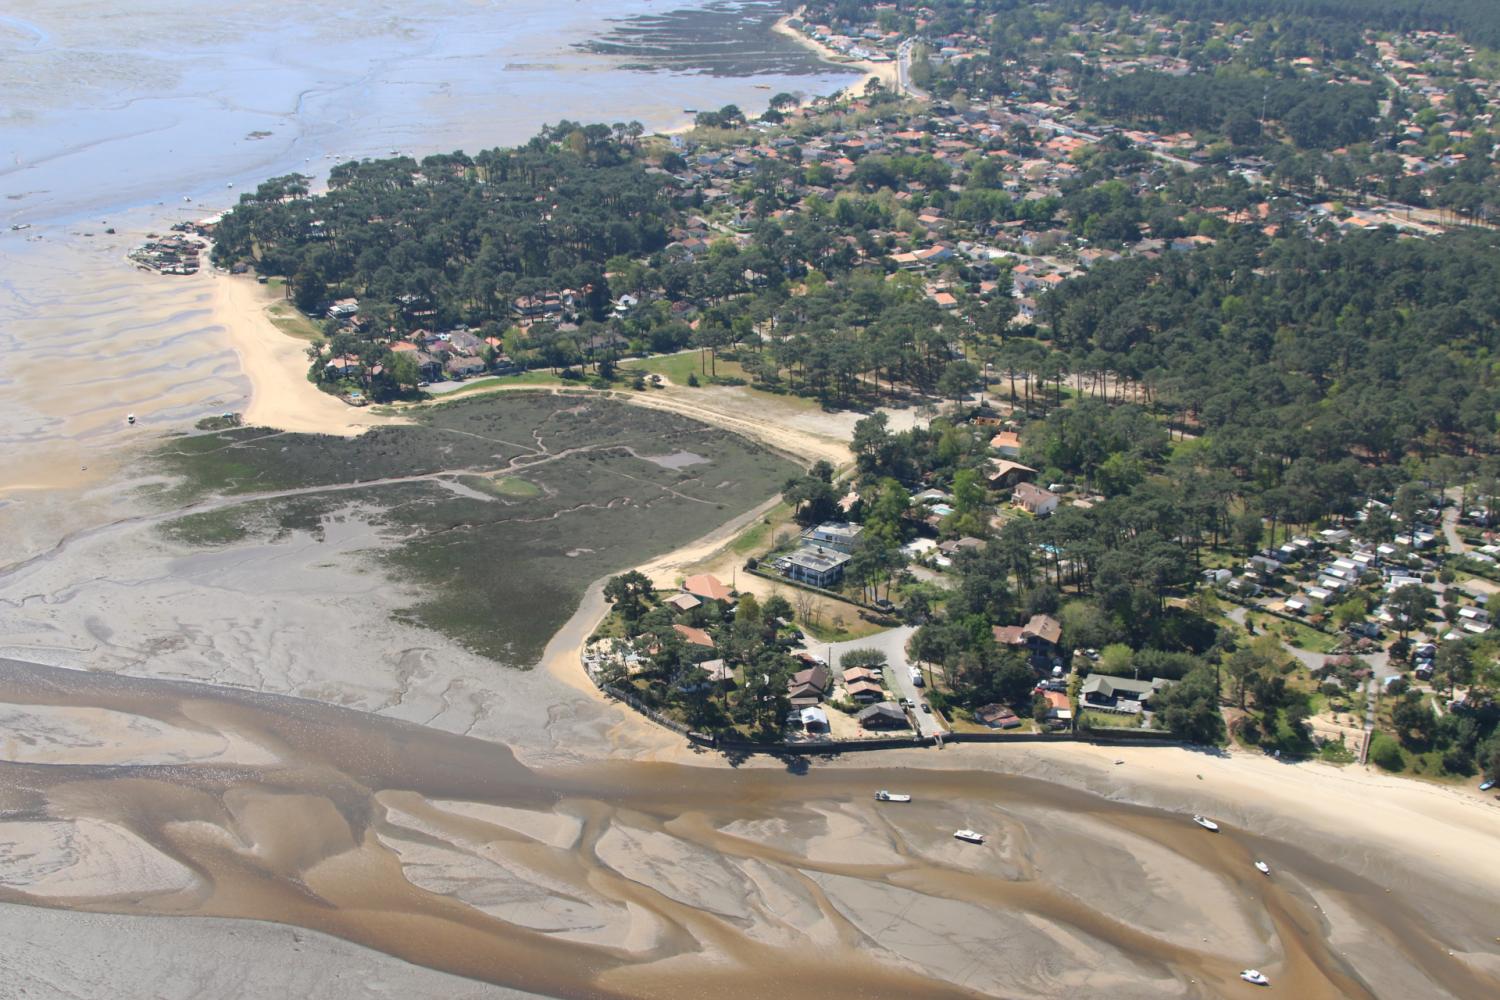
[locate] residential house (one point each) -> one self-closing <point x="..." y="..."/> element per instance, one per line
<point x="694" y="636"/>
<point x="1119" y="694"/>
<point x="1035" y="500"/>
<point x="1007" y="444"/>
<point x="707" y="587"/>
<point x="817" y="566"/>
<point x="953" y="546"/>
<point x="996" y="717"/>
<point x="1004" y="473"/>
<point x="343" y="366"/>
<point x="1043" y="632"/>
<point x="717" y="672"/>
<point x="461" y="367"/>
<point x="1040" y="634"/>
<point x="841" y="536"/>
<point x="864" y="691"/>
<point x="883" y="715"/>
<point x="1059" y="708"/>
<point x="810" y="686"/>
<point x="683" y="602"/>
<point x="808" y="718"/>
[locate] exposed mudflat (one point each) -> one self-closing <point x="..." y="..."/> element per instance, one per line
<point x="618" y="878"/>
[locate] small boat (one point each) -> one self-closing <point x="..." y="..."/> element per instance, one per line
<point x="1262" y="867"/>
<point x="1206" y="823"/>
<point x="130" y="418"/>
<point x="885" y="796"/>
<point x="1255" y="976"/>
<point x="969" y="835"/>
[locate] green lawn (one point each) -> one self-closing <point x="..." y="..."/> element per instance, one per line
<point x="757" y="537"/>
<point x="539" y="377"/>
<point x="853" y="627"/>
<point x="291" y="322"/>
<point x="677" y="367"/>
<point x="1109" y="720"/>
<point x="1294" y="633"/>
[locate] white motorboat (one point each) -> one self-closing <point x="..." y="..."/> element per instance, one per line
<point x="1206" y="823"/>
<point x="885" y="796"/>
<point x="1262" y="867"/>
<point x="130" y="418"/>
<point x="1254" y="976"/>
<point x="969" y="835"/>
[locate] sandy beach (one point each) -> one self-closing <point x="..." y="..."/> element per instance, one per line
<point x="276" y="365"/>
<point x="884" y="73"/>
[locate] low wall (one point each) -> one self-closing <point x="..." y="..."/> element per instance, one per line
<point x="1009" y="738"/>
<point x="1130" y="736"/>
<point x="811" y="748"/>
<point x="641" y="707"/>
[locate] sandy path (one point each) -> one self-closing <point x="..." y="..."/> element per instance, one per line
<point x="276" y="365"/>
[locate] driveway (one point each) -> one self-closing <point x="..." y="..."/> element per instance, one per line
<point x="897" y="670"/>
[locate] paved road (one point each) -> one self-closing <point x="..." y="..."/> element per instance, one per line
<point x="1456" y="544"/>
<point x="903" y="70"/>
<point x="897" y="672"/>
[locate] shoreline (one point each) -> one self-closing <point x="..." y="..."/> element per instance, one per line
<point x="275" y="364"/>
<point x="1253" y="791"/>
<point x="883" y="73"/>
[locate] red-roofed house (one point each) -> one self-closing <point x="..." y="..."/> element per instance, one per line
<point x="696" y="636"/>
<point x="708" y="587"/>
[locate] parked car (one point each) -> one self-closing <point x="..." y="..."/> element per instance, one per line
<point x="926" y="708"/>
<point x="1485" y="786"/>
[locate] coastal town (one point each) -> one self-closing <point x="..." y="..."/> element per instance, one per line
<point x="940" y="250"/>
<point x="980" y="206"/>
<point x="1024" y="524"/>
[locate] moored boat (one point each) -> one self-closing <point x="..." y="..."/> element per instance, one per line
<point x="1262" y="867"/>
<point x="1206" y="823"/>
<point x="1255" y="976"/>
<point x="969" y="835"/>
<point x="885" y="796"/>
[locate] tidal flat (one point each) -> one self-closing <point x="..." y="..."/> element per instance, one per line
<point x="723" y="39"/>
<point x="495" y="512"/>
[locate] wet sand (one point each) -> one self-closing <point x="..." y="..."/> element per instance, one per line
<point x="634" y="879"/>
